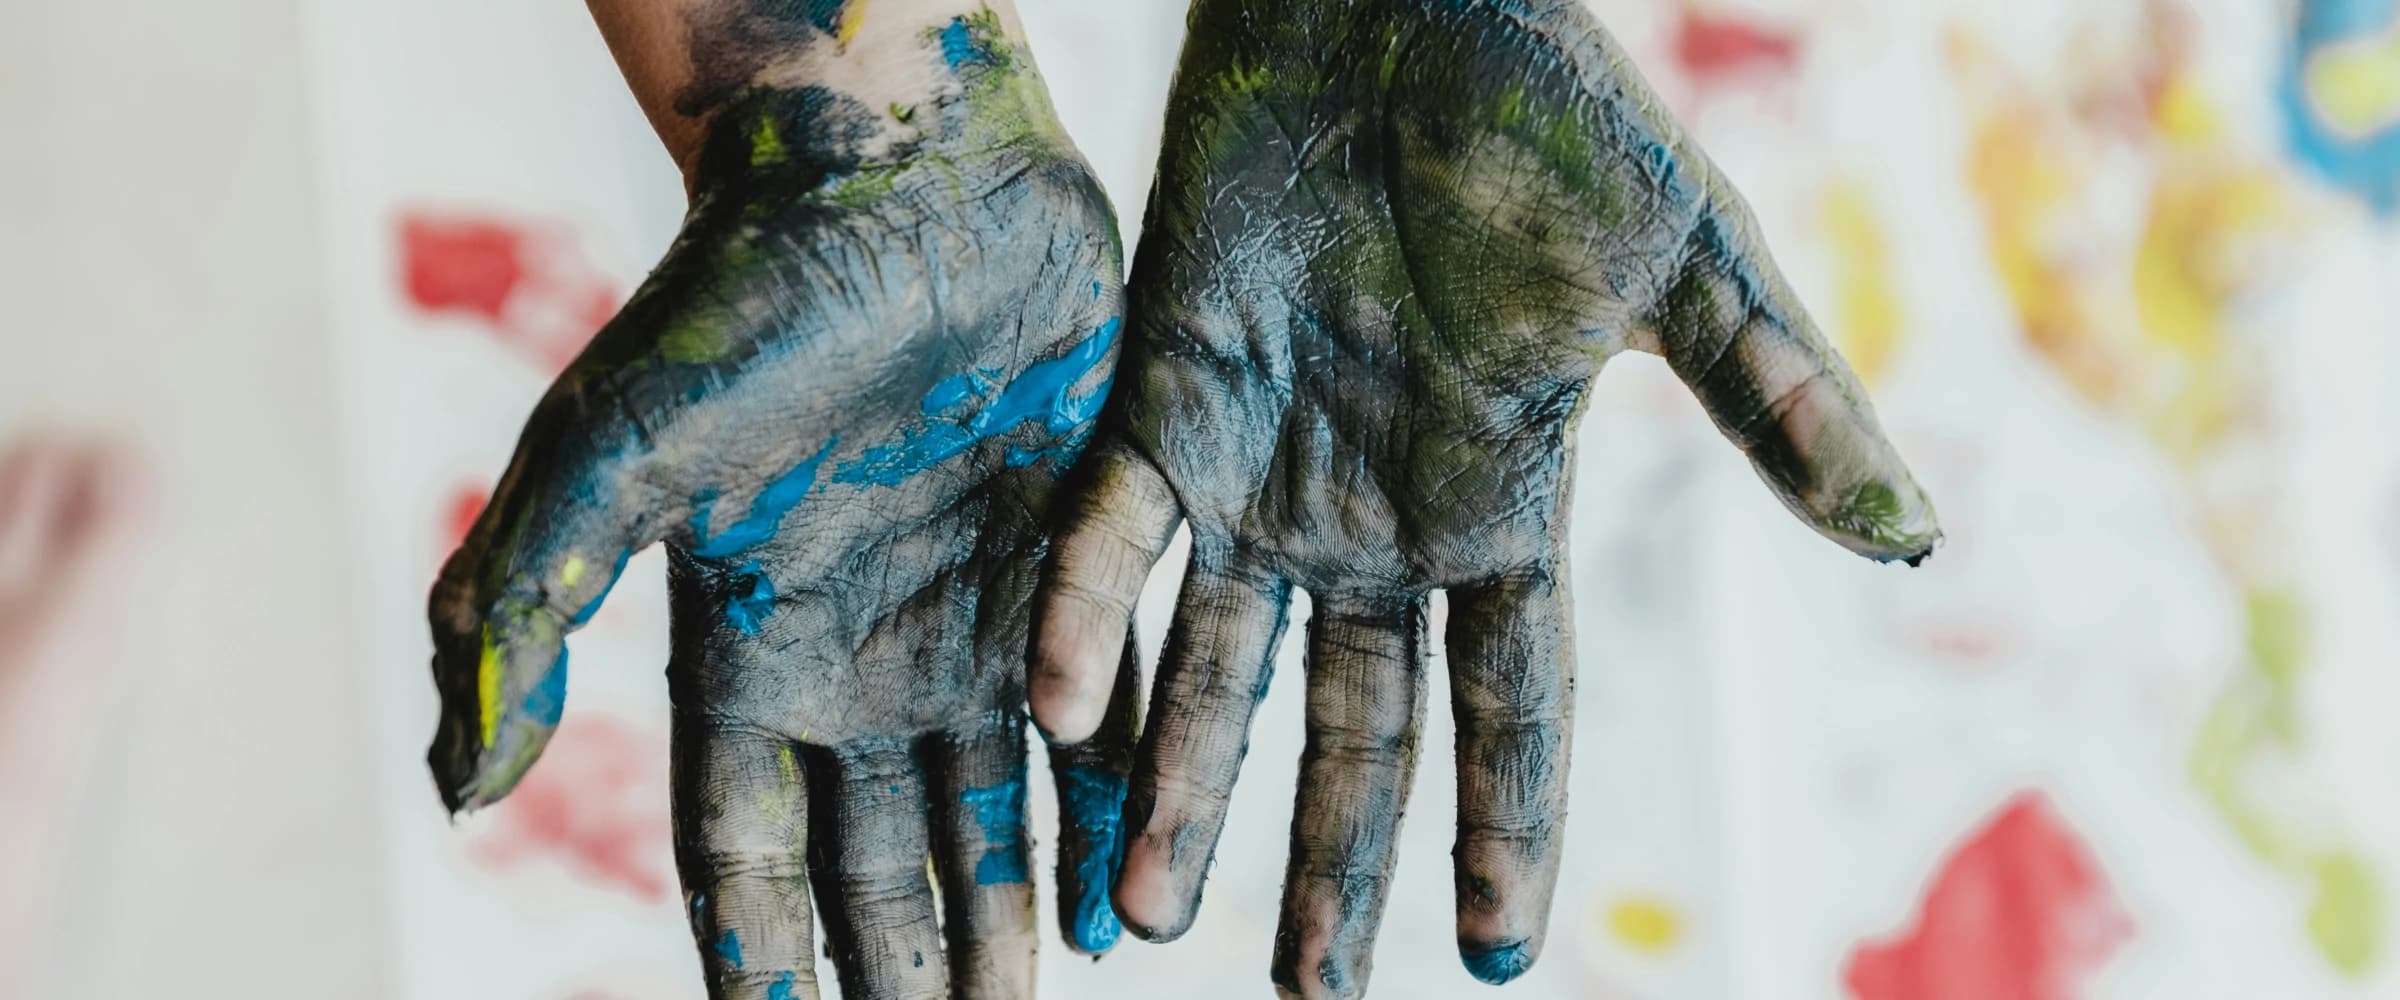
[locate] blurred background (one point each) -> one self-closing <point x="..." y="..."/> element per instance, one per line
<point x="282" y="277"/>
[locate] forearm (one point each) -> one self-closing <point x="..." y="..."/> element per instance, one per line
<point x="686" y="59"/>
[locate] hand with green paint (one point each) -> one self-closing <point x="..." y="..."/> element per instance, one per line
<point x="1391" y="245"/>
<point x="843" y="401"/>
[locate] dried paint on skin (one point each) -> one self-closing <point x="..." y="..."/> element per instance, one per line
<point x="853" y="490"/>
<point x="767" y="511"/>
<point x="1093" y="799"/>
<point x="729" y="948"/>
<point x="1000" y="811"/>
<point x="1046" y="393"/>
<point x="1357" y="346"/>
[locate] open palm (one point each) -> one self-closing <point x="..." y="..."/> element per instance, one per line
<point x="842" y="401"/>
<point x="1391" y="245"/>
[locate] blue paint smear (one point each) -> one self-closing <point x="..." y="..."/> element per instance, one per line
<point x="950" y="392"/>
<point x="959" y="47"/>
<point x="584" y="616"/>
<point x="1000" y="810"/>
<point x="766" y="512"/>
<point x="1093" y="800"/>
<point x="729" y="948"/>
<point x="1043" y="392"/>
<point x="781" y="989"/>
<point x="753" y="600"/>
<point x="547" y="702"/>
<point x="2367" y="166"/>
<point x="1497" y="965"/>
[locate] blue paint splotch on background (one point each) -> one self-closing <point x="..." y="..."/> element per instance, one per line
<point x="752" y="601"/>
<point x="781" y="989"/>
<point x="1093" y="801"/>
<point x="547" y="702"/>
<point x="729" y="948"/>
<point x="766" y="510"/>
<point x="1044" y="393"/>
<point x="1000" y="810"/>
<point x="2367" y="166"/>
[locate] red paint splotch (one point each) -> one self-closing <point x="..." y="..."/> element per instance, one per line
<point x="523" y="282"/>
<point x="2018" y="912"/>
<point x="1716" y="50"/>
<point x="459" y="513"/>
<point x="595" y="804"/>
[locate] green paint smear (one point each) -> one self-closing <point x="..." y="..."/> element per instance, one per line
<point x="2258" y="714"/>
<point x="2346" y="919"/>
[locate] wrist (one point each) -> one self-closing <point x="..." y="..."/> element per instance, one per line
<point x="690" y="62"/>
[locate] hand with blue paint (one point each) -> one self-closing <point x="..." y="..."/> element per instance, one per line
<point x="1391" y="245"/>
<point x="843" y="401"/>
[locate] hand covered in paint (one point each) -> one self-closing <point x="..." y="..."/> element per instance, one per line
<point x="842" y="401"/>
<point x="1391" y="245"/>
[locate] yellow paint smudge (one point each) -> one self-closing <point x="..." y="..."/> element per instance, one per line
<point x="2356" y="85"/>
<point x="853" y="17"/>
<point x="1868" y="326"/>
<point x="1646" y="924"/>
<point x="2158" y="343"/>
<point x="2346" y="919"/>
<point x="487" y="689"/>
<point x="572" y="573"/>
<point x="766" y="145"/>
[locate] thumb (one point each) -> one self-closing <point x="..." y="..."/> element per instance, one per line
<point x="539" y="560"/>
<point x="1736" y="335"/>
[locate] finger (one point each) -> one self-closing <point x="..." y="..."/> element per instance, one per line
<point x="1121" y="518"/>
<point x="1366" y="704"/>
<point x="868" y="856"/>
<point x="1736" y="334"/>
<point x="562" y="523"/>
<point x="741" y="830"/>
<point x="984" y="859"/>
<point x="1211" y="676"/>
<point x="1091" y="779"/>
<point x="1512" y="687"/>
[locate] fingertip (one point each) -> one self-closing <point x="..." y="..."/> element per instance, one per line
<point x="1091" y="853"/>
<point x="1145" y="898"/>
<point x="1076" y="651"/>
<point x="1496" y="964"/>
<point x="1887" y="521"/>
<point x="1097" y="929"/>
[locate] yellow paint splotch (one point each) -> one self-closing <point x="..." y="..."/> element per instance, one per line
<point x="1868" y="325"/>
<point x="2146" y="331"/>
<point x="854" y="16"/>
<point x="1645" y="925"/>
<point x="2356" y="85"/>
